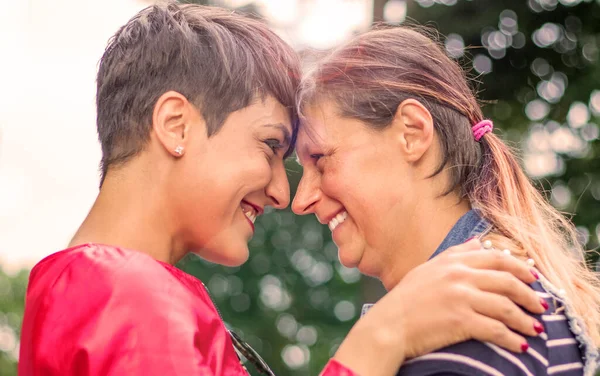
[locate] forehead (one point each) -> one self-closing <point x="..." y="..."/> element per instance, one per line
<point x="318" y="130"/>
<point x="267" y="110"/>
<point x="325" y="130"/>
<point x="320" y="124"/>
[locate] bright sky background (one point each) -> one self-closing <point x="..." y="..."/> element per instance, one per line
<point x="48" y="149"/>
<point x="49" y="152"/>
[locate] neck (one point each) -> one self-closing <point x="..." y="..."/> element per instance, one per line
<point x="131" y="215"/>
<point x="422" y="233"/>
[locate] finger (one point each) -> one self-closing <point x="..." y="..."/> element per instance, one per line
<point x="485" y="329"/>
<point x="492" y="260"/>
<point x="502" y="309"/>
<point x="507" y="285"/>
<point x="472" y="244"/>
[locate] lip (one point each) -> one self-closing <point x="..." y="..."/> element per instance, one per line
<point x="250" y="222"/>
<point x="258" y="209"/>
<point x="330" y="217"/>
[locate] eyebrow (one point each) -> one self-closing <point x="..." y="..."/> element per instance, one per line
<point x="287" y="137"/>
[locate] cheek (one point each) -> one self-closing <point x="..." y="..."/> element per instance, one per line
<point x="258" y="174"/>
<point x="366" y="190"/>
<point x="335" y="183"/>
<point x="353" y="178"/>
<point x="217" y="192"/>
<point x="346" y="185"/>
<point x="245" y="176"/>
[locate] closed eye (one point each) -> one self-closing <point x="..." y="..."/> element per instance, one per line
<point x="316" y="157"/>
<point x="274" y="144"/>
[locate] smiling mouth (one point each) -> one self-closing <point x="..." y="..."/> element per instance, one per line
<point x="250" y="211"/>
<point x="250" y="215"/>
<point x="338" y="220"/>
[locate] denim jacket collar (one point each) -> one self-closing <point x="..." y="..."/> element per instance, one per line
<point x="469" y="225"/>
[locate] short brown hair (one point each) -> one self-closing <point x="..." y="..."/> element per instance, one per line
<point x="221" y="61"/>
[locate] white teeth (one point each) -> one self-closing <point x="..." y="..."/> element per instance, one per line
<point x="338" y="220"/>
<point x="333" y="224"/>
<point x="250" y="214"/>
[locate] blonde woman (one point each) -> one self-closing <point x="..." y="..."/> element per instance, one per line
<point x="401" y="165"/>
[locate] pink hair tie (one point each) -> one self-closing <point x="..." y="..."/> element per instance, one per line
<point x="482" y="128"/>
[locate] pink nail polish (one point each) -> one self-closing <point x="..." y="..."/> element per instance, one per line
<point x="538" y="327"/>
<point x="534" y="273"/>
<point x="471" y="238"/>
<point x="544" y="303"/>
<point x="524" y="346"/>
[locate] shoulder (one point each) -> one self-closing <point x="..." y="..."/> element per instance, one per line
<point x="94" y="254"/>
<point x="95" y="288"/>
<point x="105" y="263"/>
<point x="568" y="347"/>
<point x="116" y="309"/>
<point x="554" y="348"/>
<point x="95" y="274"/>
<point x="474" y="358"/>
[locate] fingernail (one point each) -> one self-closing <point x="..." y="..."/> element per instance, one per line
<point x="538" y="327"/>
<point x="544" y="304"/>
<point x="471" y="238"/>
<point x="524" y="346"/>
<point x="534" y="273"/>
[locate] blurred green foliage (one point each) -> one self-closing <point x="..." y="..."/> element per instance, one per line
<point x="543" y="91"/>
<point x="535" y="63"/>
<point x="12" y="305"/>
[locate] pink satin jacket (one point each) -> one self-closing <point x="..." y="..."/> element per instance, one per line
<point x="97" y="310"/>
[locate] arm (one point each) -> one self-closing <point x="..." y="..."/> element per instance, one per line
<point x="463" y="294"/>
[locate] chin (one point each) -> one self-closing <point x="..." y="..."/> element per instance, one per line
<point x="366" y="269"/>
<point x="236" y="257"/>
<point x="355" y="258"/>
<point x="236" y="261"/>
<point x="349" y="257"/>
<point x="229" y="255"/>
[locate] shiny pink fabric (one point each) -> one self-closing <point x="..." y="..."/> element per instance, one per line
<point x="335" y="368"/>
<point x="97" y="310"/>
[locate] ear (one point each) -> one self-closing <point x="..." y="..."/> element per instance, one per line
<point x="171" y="121"/>
<point x="413" y="128"/>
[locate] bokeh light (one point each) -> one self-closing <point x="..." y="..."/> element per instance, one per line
<point x="455" y="45"/>
<point x="394" y="11"/>
<point x="482" y="64"/>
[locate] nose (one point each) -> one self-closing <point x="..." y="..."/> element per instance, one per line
<point x="307" y="195"/>
<point x="278" y="190"/>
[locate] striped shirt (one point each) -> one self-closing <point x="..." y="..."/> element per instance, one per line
<point x="554" y="352"/>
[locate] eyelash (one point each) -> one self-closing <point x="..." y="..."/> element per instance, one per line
<point x="316" y="157"/>
<point x="274" y="145"/>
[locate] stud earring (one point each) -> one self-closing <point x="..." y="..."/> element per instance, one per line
<point x="179" y="150"/>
